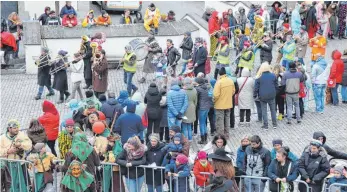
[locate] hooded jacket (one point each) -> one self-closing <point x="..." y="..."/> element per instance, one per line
<point x="109" y="108"/>
<point x="257" y="161"/>
<point x="315" y="168"/>
<point x="67" y="20"/>
<point x="128" y="124"/>
<point x="337" y="67"/>
<point x="152" y="99"/>
<point x="319" y="73"/>
<point x="204" y="100"/>
<point x="187" y="46"/>
<point x="66" y="10"/>
<point x="330" y="151"/>
<point x="177" y="101"/>
<point x="50" y="120"/>
<point x="296" y="20"/>
<point x="155" y="155"/>
<point x="291" y="80"/>
<point x="213" y="24"/>
<point x="266" y="51"/>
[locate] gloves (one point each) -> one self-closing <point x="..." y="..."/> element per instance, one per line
<point x="179" y="116"/>
<point x="102" y="158"/>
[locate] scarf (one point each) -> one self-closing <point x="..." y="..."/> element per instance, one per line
<point x="79" y="184"/>
<point x="204" y="164"/>
<point x="80" y="146"/>
<point x="134" y="154"/>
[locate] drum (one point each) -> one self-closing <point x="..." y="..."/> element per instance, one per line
<point x="140" y="49"/>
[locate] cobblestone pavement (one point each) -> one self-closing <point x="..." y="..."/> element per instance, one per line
<point x="18" y="92"/>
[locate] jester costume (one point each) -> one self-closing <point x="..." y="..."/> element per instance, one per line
<point x="77" y="179"/>
<point x="342" y="18"/>
<point x="65" y="141"/>
<point x="213" y="27"/>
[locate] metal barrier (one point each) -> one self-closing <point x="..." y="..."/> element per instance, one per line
<point x="337" y="187"/>
<point x="20" y="175"/>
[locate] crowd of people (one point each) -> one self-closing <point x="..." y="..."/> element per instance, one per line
<point x="129" y="134"/>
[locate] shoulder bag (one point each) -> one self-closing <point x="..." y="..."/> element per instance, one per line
<point x="237" y="94"/>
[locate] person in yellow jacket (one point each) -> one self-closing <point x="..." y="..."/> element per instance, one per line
<point x="13" y="145"/>
<point x="152" y="17"/>
<point x="223" y="93"/>
<point x="89" y="21"/>
<point x="129" y="65"/>
<point x="223" y="54"/>
<point x="246" y="59"/>
<point x="42" y="161"/>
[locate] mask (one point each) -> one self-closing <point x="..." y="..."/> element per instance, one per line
<point x="76" y="171"/>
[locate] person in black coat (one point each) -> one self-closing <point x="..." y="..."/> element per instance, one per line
<point x="155" y="155"/>
<point x="266" y="49"/>
<point x="110" y="108"/>
<point x="43" y="76"/>
<point x="60" y="77"/>
<point x="173" y="56"/>
<point x="152" y="99"/>
<point x="199" y="56"/>
<point x="282" y="170"/>
<point x="313" y="167"/>
<point x="335" y="154"/>
<point x="88" y="76"/>
<point x="187" y="47"/>
<point x="43" y="17"/>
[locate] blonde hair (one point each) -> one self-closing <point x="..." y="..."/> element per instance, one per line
<point x="10" y="17"/>
<point x="263" y="68"/>
<point x="277" y="69"/>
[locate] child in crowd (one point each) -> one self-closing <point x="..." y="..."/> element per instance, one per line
<point x="339" y="178"/>
<point x="43" y="162"/>
<point x="173" y="149"/>
<point x="180" y="170"/>
<point x="277" y="144"/>
<point x="189" y="72"/>
<point x="302" y="92"/>
<point x="201" y="164"/>
<point x="245" y="141"/>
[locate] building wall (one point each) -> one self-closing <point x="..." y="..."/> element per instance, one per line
<point x="222" y="6"/>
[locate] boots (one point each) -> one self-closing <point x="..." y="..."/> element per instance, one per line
<point x="38" y="97"/>
<point x="205" y="141"/>
<point x="202" y="141"/>
<point x="67" y="95"/>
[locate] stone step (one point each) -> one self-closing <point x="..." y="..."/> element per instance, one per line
<point x="12" y="71"/>
<point x="19" y="61"/>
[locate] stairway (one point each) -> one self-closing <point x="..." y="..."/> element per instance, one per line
<point x="16" y="66"/>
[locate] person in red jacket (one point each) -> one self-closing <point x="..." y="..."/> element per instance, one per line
<point x="202" y="165"/>
<point x="50" y="122"/>
<point x="70" y="20"/>
<point x="336" y="73"/>
<point x="213" y="28"/>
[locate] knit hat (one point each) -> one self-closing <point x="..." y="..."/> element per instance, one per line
<point x="339" y="168"/>
<point x="187" y="81"/>
<point x="182" y="159"/>
<point x="62" y="52"/>
<point x="277" y="141"/>
<point x="69" y="122"/>
<point x="316" y="143"/>
<point x="200" y="81"/>
<point x="154" y="136"/>
<point x="177" y="137"/>
<point x="202" y="155"/>
<point x="13" y="123"/>
<point x="286" y="25"/>
<point x="175" y="129"/>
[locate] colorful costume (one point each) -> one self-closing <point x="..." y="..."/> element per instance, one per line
<point x="318" y="45"/>
<point x="77" y="179"/>
<point x="342" y="18"/>
<point x="213" y="27"/>
<point x="296" y="20"/>
<point x="152" y="18"/>
<point x="65" y="141"/>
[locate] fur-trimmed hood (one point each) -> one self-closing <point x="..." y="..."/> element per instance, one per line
<point x="322" y="151"/>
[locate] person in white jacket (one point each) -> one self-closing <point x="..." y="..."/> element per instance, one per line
<point x="77" y="77"/>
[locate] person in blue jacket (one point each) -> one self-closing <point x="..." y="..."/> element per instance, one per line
<point x="73" y="105"/>
<point x="277" y="144"/>
<point x="179" y="170"/>
<point x="129" y="124"/>
<point x="338" y="178"/>
<point x="177" y="101"/>
<point x="111" y="107"/>
<point x="241" y="152"/>
<point x="283" y="171"/>
<point x="67" y="9"/>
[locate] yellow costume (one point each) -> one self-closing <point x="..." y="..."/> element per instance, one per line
<point x="152" y="18"/>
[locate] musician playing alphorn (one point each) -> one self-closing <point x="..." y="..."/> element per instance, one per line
<point x="100" y="73"/>
<point x="43" y="76"/>
<point x="60" y="77"/>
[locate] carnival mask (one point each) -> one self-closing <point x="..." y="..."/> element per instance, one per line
<point x="76" y="170"/>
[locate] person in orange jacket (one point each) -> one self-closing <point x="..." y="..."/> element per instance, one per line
<point x="336" y="73"/>
<point x="202" y="165"/>
<point x="103" y="19"/>
<point x="318" y="45"/>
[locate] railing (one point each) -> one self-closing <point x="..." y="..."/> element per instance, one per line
<point x="337" y="187"/>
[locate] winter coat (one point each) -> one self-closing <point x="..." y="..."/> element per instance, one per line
<point x="132" y="171"/>
<point x="296" y="20"/>
<point x="6" y="143"/>
<point x="274" y="15"/>
<point x="232" y="21"/>
<point x="96" y="101"/>
<point x="318" y="72"/>
<point x="148" y="67"/>
<point x="67" y="20"/>
<point x="337" y="67"/>
<point x="128" y="124"/>
<point x="266" y="51"/>
<point x="341" y="180"/>
<point x="200" y="57"/>
<point x="246" y="94"/>
<point x="65" y="10"/>
<point x="109" y="108"/>
<point x="242" y="19"/>
<point x="100" y="76"/>
<point x="335" y="154"/>
<point x="223" y="93"/>
<point x="102" y="20"/>
<point x="43" y="17"/>
<point x="122" y="20"/>
<point x="213" y="24"/>
<point x="77" y="71"/>
<point x="344" y="75"/>
<point x="155" y="155"/>
<point x="204" y="100"/>
<point x="53" y="21"/>
<point x="259" y="159"/>
<point x="192" y="104"/>
<point x="43" y="76"/>
<point x="314" y="168"/>
<point x="163" y="107"/>
<point x="199" y="178"/>
<point x="185" y="144"/>
<point x="177" y="101"/>
<point x="240" y="159"/>
<point x="187" y="47"/>
<point x="140" y="105"/>
<point x="301" y="45"/>
<point x="291" y="155"/>
<point x="274" y="173"/>
<point x="50" y="120"/>
<point x="183" y="176"/>
<point x="60" y="77"/>
<point x="250" y="16"/>
<point x="173" y="56"/>
<point x="152" y="99"/>
<point x="291" y="80"/>
<point x="37" y="134"/>
<point x="266" y="86"/>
